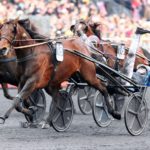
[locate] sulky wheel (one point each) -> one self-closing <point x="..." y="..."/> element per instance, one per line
<point x="38" y="102"/>
<point x="85" y="99"/>
<point x="63" y="112"/>
<point x="100" y="112"/>
<point x="136" y="114"/>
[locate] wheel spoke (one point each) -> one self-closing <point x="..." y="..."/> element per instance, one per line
<point x="87" y="101"/>
<point x="32" y="100"/>
<point x="36" y="115"/>
<point x="68" y="109"/>
<point x="132" y="112"/>
<point x="40" y="105"/>
<point x="86" y="91"/>
<point x="132" y="122"/>
<point x="100" y="116"/>
<point x="91" y="96"/>
<point x="90" y="103"/>
<point x="57" y="116"/>
<point x="139" y="121"/>
<point x="99" y="105"/>
<point x="60" y="108"/>
<point x="84" y="108"/>
<point x="89" y="92"/>
<point x="143" y="108"/>
<point x="83" y="98"/>
<point x="139" y="99"/>
<point x="63" y="120"/>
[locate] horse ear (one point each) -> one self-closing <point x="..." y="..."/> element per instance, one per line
<point x="25" y="22"/>
<point x="94" y="25"/>
<point x="72" y="28"/>
<point x="97" y="23"/>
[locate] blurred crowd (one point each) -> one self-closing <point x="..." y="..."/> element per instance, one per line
<point x="64" y="13"/>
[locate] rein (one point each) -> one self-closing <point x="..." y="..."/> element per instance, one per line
<point x="96" y="51"/>
<point x="31" y="45"/>
<point x="5" y="60"/>
<point x="112" y="43"/>
<point x="39" y="39"/>
<point x="41" y="43"/>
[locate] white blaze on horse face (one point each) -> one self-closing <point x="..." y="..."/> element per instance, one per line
<point x="79" y="27"/>
<point x="93" y="41"/>
<point x="6" y="51"/>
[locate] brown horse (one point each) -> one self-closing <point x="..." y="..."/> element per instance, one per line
<point x="8" y="69"/>
<point x="109" y="51"/>
<point x="36" y="68"/>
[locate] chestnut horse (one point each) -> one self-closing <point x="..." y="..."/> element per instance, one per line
<point x="109" y="51"/>
<point x="36" y="69"/>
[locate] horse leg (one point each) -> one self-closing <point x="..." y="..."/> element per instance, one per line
<point x="105" y="93"/>
<point x="91" y="78"/>
<point x="52" y="110"/>
<point x="24" y="93"/>
<point x="5" y="91"/>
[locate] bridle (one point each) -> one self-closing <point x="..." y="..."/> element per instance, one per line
<point x="11" y="41"/>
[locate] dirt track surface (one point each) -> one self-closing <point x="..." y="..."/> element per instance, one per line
<point x="83" y="134"/>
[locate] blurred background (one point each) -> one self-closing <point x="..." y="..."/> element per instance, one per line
<point x="119" y="18"/>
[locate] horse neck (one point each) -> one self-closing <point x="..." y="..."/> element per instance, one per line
<point x="22" y="38"/>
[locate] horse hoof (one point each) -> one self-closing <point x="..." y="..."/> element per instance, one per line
<point x="45" y="126"/>
<point x="116" y="115"/>
<point x="33" y="109"/>
<point x="33" y="125"/>
<point x="2" y="120"/>
<point x="24" y="124"/>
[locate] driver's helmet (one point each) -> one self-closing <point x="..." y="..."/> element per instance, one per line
<point x="143" y="69"/>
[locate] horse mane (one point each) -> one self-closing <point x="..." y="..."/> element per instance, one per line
<point x="31" y="29"/>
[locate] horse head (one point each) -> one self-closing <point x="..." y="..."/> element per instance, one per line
<point x="95" y="27"/>
<point x="8" y="34"/>
<point x="11" y="31"/>
<point x="79" y="25"/>
<point x="88" y="27"/>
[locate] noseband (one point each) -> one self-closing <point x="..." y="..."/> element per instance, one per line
<point x="6" y="38"/>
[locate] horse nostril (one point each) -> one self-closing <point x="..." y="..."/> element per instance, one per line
<point x="3" y="51"/>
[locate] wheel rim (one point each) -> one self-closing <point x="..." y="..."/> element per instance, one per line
<point x="100" y="112"/>
<point x="136" y="115"/>
<point x="63" y="113"/>
<point x="85" y="99"/>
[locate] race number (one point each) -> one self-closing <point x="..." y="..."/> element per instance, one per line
<point x="59" y="51"/>
<point x="121" y="51"/>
